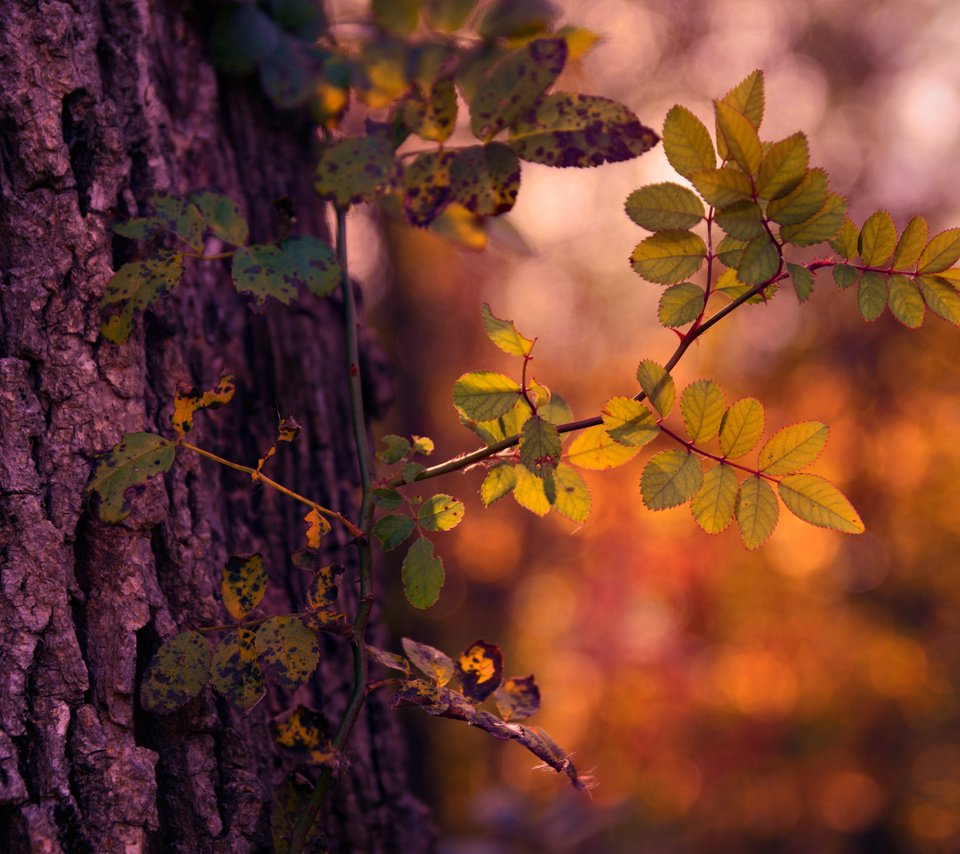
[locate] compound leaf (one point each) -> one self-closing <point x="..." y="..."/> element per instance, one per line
<point x="177" y="673"/>
<point x="792" y="448"/>
<point x="747" y="97"/>
<point x="243" y="585"/>
<point x="422" y="574"/>
<point x="760" y="260"/>
<point x="845" y="275"/>
<point x="802" y="280"/>
<point x="820" y="503"/>
<point x="940" y="297"/>
<point x="181" y="217"/>
<point x="802" y="202"/>
<point x="940" y="253"/>
<point x="669" y="479"/>
<point x="540" y="448"/>
<point x="742" y="220"/>
<point x="822" y="226"/>
<point x="722" y="187"/>
<point x="783" y="167"/>
<point x="757" y="511"/>
<point x="485" y="179"/>
<point x="906" y="302"/>
<point x="738" y="135"/>
<point x="847" y="241"/>
<point x="530" y="491"/>
<point x="222" y="215"/>
<point x="911" y="244"/>
<point x="129" y="464"/>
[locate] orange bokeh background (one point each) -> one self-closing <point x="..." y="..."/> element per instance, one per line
<point x="798" y="698"/>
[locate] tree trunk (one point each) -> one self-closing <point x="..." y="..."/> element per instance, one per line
<point x="103" y="103"/>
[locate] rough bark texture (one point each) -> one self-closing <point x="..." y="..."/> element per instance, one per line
<point x="101" y="104"/>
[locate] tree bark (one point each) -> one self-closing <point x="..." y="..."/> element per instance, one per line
<point x="103" y="103"/>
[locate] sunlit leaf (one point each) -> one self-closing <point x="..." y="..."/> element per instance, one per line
<point x="730" y="286"/>
<point x="941" y="252"/>
<point x="669" y="257"/>
<point x="821" y="226"/>
<point x="135" y="286"/>
<point x="391" y="530"/>
<point x="186" y="403"/>
<point x="669" y="479"/>
<point x="872" y="295"/>
<point x="504" y="334"/>
<point x="499" y="481"/>
<point x="741" y="428"/>
<point x="440" y="513"/>
<point x="480" y="670"/>
<point x="355" y="169"/>
<point x="539" y="445"/>
<point x="177" y="673"/>
<point x="722" y="187"/>
<point x="429" y="660"/>
<point x="940" y="297"/>
<point x="529" y="491"/>
<point x="422" y="574"/>
<point x="878" y="239"/>
<point x="485" y="395"/>
<point x="820" y="503"/>
<point x="680" y="304"/>
<point x="747" y="97"/>
<point x="802" y="202"/>
<point x="518" y="698"/>
<point x="580" y="41"/>
<point x="662" y="206"/>
<point x="906" y="302"/>
<point x="702" y="405"/>
<point x="846" y="242"/>
<point x="594" y="449"/>
<point x="715" y="502"/>
<point x="127" y="466"/>
<point x="629" y="422"/>
<point x="514" y="86"/>
<point x="802" y="280"/>
<point x="739" y="136"/>
<point x="573" y="495"/>
<point x="555" y="410"/>
<point x="485" y="178"/>
<point x="383" y="78"/>
<point x="243" y="585"/>
<point x="288" y="649"/>
<point x="579" y="130"/>
<point x="783" y="167"/>
<point x="687" y="144"/>
<point x="792" y="448"/>
<point x="658" y="386"/>
<point x="757" y="511"/>
<point x="235" y="670"/>
<point x="911" y="244"/>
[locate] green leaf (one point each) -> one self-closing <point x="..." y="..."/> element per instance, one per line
<point x="730" y="251"/>
<point x="846" y="243"/>
<point x="504" y="334"/>
<point x="680" y="304"/>
<point x="783" y="167"/>
<point x="177" y="673"/>
<point x="792" y="448"/>
<point x="820" y="503"/>
<point x="668" y="257"/>
<point x="722" y="187"/>
<point x="235" y="670"/>
<point x="243" y="585"/>
<point x="517" y="18"/>
<point x="687" y="144"/>
<point x="906" y="302"/>
<point x="540" y="448"/>
<point x="747" y="97"/>
<point x="447" y="15"/>
<point x="517" y="698"/>
<point x="440" y="513"/>
<point x="658" y="385"/>
<point x="422" y="574"/>
<point x="288" y="649"/>
<point x="802" y="280"/>
<point x="530" y="491"/>
<point x="802" y="202"/>
<point x="629" y="422"/>
<point x="140" y="228"/>
<point x="573" y="495"/>
<point x="429" y="660"/>
<point x="662" y="206"/>
<point x="499" y="481"/>
<point x="394" y="449"/>
<point x="136" y="285"/>
<point x="911" y="244"/>
<point x="940" y="297"/>
<point x="872" y="295"/>
<point x="391" y="530"/>
<point x="128" y="465"/>
<point x="742" y="220"/>
<point x="822" y="226"/>
<point x="485" y="395"/>
<point x="386" y="498"/>
<point x="596" y="450"/>
<point x="715" y="502"/>
<point x="222" y="216"/>
<point x="485" y="178"/>
<point x="265" y="270"/>
<point x="480" y="670"/>
<point x="845" y="275"/>
<point x="555" y="410"/>
<point x="760" y="261"/>
<point x="355" y="170"/>
<point x="579" y="130"/>
<point x="669" y="479"/>
<point x="941" y="252"/>
<point x="514" y="86"/>
<point x="181" y="217"/>
<point x="741" y="428"/>
<point x="757" y="511"/>
<point x="396" y="16"/>
<point x="878" y="239"/>
<point x="739" y="135"/>
<point x="702" y="405"/>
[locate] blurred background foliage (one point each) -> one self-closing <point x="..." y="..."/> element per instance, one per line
<point x="799" y="698"/>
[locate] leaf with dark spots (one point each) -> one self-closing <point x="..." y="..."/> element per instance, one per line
<point x="243" y="585"/>
<point x="177" y="673"/>
<point x="181" y="217"/>
<point x="265" y="270"/>
<point x="517" y="698"/>
<point x="134" y="287"/>
<point x="432" y="115"/>
<point x="426" y="186"/>
<point x="222" y="216"/>
<point x="480" y="668"/>
<point x="429" y="660"/>
<point x="304" y="732"/>
<point x="485" y="178"/>
<point x="354" y="170"/>
<point x="237" y="674"/>
<point x="514" y="85"/>
<point x="288" y="649"/>
<point x="187" y="402"/>
<point x="580" y="130"/>
<point x="129" y="464"/>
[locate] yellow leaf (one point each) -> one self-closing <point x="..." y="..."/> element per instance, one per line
<point x="715" y="502"/>
<point x="186" y="403"/>
<point x="741" y="428"/>
<point x="595" y="449"/>
<point x="573" y="495"/>
<point x="317" y="526"/>
<point x="702" y="405"/>
<point x="820" y="503"/>
<point x="529" y="491"/>
<point x="757" y="511"/>
<point x="793" y="447"/>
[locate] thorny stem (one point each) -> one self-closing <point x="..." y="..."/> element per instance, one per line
<point x="260" y="477"/>
<point x="365" y="464"/>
